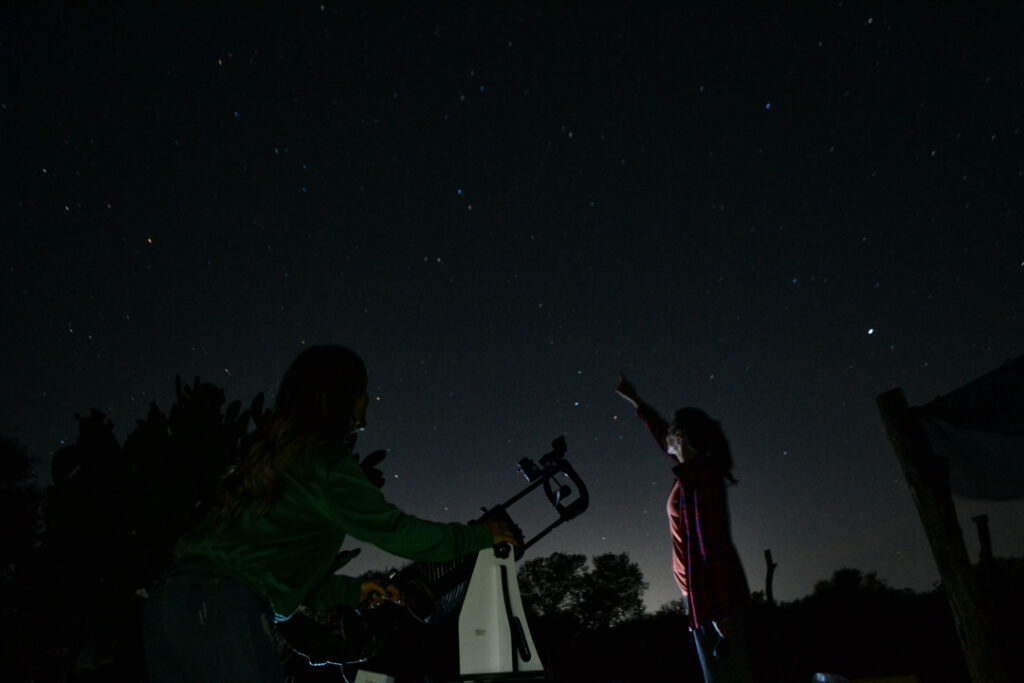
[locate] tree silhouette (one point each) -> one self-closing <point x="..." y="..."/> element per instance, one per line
<point x="19" y="508"/>
<point x="552" y="586"/>
<point x="613" y="591"/>
<point x="20" y="501"/>
<point x="848" y="584"/>
<point x="677" y="606"/>
<point x="561" y="587"/>
<point x="856" y="625"/>
<point x="112" y="517"/>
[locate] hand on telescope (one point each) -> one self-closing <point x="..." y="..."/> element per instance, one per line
<point x="372" y="594"/>
<point x="627" y="391"/>
<point x="502" y="532"/>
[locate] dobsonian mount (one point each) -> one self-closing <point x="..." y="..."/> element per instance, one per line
<point x="495" y="643"/>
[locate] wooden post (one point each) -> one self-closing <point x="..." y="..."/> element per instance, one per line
<point x="768" y="594"/>
<point x="985" y="554"/>
<point x="929" y="485"/>
<point x="985" y="561"/>
<point x="773" y="660"/>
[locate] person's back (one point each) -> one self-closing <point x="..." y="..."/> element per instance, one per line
<point x="271" y="543"/>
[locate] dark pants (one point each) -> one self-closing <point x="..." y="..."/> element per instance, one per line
<point x="203" y="624"/>
<point x="724" y="661"/>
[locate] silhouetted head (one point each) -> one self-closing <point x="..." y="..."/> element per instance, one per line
<point x="322" y="398"/>
<point x="324" y="392"/>
<point x="705" y="436"/>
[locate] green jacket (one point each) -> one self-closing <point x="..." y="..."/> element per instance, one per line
<point x="287" y="553"/>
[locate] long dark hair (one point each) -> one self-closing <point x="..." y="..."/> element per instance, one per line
<point x="705" y="435"/>
<point x="313" y="406"/>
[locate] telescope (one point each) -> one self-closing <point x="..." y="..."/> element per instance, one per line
<point x="481" y="589"/>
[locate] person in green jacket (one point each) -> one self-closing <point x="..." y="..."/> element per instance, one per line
<point x="273" y="541"/>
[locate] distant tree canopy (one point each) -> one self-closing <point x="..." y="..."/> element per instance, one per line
<point x="19" y="507"/>
<point x="109" y="525"/>
<point x="677" y="606"/>
<point x="111" y="503"/>
<point x="562" y="587"/>
<point x="552" y="585"/>
<point x="848" y="585"/>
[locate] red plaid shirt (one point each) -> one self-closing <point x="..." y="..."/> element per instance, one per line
<point x="706" y="564"/>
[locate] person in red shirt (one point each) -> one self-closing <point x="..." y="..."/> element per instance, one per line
<point x="706" y="565"/>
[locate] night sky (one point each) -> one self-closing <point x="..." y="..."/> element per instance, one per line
<point x="773" y="213"/>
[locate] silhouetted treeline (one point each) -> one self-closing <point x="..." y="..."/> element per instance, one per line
<point x="106" y="530"/>
<point x="852" y="624"/>
<point x="79" y="557"/>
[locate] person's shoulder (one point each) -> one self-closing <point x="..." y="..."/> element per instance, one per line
<point x="324" y="459"/>
<point x="331" y="454"/>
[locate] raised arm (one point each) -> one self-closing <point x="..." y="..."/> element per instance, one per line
<point x="627" y="391"/>
<point x="654" y="422"/>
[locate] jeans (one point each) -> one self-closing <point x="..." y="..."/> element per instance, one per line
<point x="203" y="624"/>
